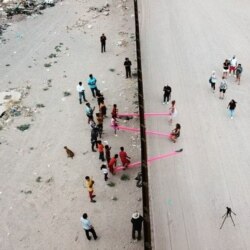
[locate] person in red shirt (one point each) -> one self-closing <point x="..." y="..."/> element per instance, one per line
<point x="124" y="158"/>
<point x="100" y="150"/>
<point x="112" y="164"/>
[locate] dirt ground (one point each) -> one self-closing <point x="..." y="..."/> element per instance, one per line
<point x="42" y="194"/>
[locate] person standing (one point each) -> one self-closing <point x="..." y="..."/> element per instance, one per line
<point x="81" y="91"/>
<point x="172" y="111"/>
<point x="223" y="87"/>
<point x="103" y="109"/>
<point x="127" y="65"/>
<point x="93" y="139"/>
<point x="239" y="70"/>
<point x="114" y="113"/>
<point x="112" y="164"/>
<point x="226" y="65"/>
<point x="103" y="39"/>
<point x="233" y="65"/>
<point x="105" y="172"/>
<point x="100" y="98"/>
<point x="87" y="226"/>
<point x="213" y="80"/>
<point x="136" y="221"/>
<point x="167" y="94"/>
<point x="107" y="153"/>
<point x="92" y="85"/>
<point x="125" y="159"/>
<point x="100" y="150"/>
<point x="89" y="184"/>
<point x="231" y="107"/>
<point x="114" y="124"/>
<point x="89" y="112"/>
<point x="99" y="119"/>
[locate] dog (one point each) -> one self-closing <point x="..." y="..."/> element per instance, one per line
<point x="69" y="152"/>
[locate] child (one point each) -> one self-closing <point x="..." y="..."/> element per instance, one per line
<point x="172" y="112"/>
<point x="124" y="158"/>
<point x="100" y="97"/>
<point x="114" y="124"/>
<point x="112" y="164"/>
<point x="105" y="171"/>
<point x="100" y="150"/>
<point x="175" y="133"/>
<point x="107" y="153"/>
<point x="114" y="112"/>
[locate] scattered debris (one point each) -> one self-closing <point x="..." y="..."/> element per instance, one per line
<point x="39" y="179"/>
<point x="47" y="65"/>
<point x="23" y="127"/>
<point x="40" y="105"/>
<point x="51" y="179"/>
<point x="66" y="93"/>
<point x="125" y="177"/>
<point x="111" y="184"/>
<point x="112" y="70"/>
<point x="114" y="198"/>
<point x="26" y="192"/>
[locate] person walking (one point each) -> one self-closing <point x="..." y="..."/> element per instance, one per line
<point x="100" y="98"/>
<point x="103" y="39"/>
<point x="100" y="150"/>
<point x="231" y="107"/>
<point x="89" y="184"/>
<point x="167" y="94"/>
<point x="127" y="65"/>
<point x="136" y="221"/>
<point x="233" y="65"/>
<point x="226" y="65"/>
<point x="105" y="171"/>
<point x="212" y="81"/>
<point x="93" y="139"/>
<point x="239" y="70"/>
<point x="89" y="112"/>
<point x="114" y="124"/>
<point x="223" y="87"/>
<point x="175" y="133"/>
<point x="125" y="159"/>
<point x="107" y="153"/>
<point x="92" y="85"/>
<point x="172" y="112"/>
<point x="81" y="92"/>
<point x="87" y="226"/>
<point x="112" y="164"/>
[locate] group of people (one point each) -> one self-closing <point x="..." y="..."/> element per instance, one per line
<point x="230" y="68"/>
<point x="95" y="121"/>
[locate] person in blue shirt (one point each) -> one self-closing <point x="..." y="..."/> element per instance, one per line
<point x="92" y="85"/>
<point x="87" y="226"/>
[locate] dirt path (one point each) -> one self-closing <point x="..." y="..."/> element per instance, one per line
<point x="42" y="194"/>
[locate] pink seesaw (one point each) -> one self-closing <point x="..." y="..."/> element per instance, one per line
<point x="145" y="114"/>
<point x="150" y="160"/>
<point x="150" y="132"/>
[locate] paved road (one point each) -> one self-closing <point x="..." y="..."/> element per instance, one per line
<point x="182" y="42"/>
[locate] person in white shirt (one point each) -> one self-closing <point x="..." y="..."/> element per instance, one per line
<point x="87" y="226"/>
<point x="81" y="91"/>
<point x="233" y="65"/>
<point x="213" y="80"/>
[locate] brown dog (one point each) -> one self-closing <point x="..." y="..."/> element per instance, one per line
<point x="69" y="152"/>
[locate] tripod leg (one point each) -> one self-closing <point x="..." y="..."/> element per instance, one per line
<point x="223" y="222"/>
<point x="232" y="219"/>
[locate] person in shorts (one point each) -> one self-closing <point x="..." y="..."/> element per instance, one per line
<point x="239" y="70"/>
<point x="226" y="65"/>
<point x="223" y="87"/>
<point x="233" y="65"/>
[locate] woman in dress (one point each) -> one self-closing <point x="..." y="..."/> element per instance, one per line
<point x="172" y="112"/>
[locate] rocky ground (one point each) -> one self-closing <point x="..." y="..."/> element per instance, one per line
<point x="43" y="57"/>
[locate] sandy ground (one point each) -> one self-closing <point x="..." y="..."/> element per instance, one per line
<point x="182" y="42"/>
<point x="44" y="213"/>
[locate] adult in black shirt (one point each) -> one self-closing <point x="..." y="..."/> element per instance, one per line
<point x="167" y="93"/>
<point x="231" y="107"/>
<point x="127" y="65"/>
<point x="136" y="221"/>
<point x="103" y="43"/>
